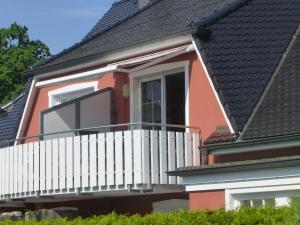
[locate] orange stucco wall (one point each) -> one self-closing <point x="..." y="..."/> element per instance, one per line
<point x="205" y="112"/>
<point x="207" y="200"/>
<point x="113" y="80"/>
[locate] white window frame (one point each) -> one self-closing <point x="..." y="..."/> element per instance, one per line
<point x="68" y="90"/>
<point x="153" y="73"/>
<point x="282" y="195"/>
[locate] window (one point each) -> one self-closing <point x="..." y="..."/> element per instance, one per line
<point x="256" y="203"/>
<point x="160" y="94"/>
<point x="71" y="92"/>
<point x="62" y="98"/>
<point x="151" y="101"/>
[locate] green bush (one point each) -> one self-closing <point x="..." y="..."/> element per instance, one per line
<point x="244" y="216"/>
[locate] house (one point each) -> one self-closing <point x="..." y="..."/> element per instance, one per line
<point x="164" y="104"/>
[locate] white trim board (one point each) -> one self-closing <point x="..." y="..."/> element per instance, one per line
<point x="213" y="88"/>
<point x="70" y="89"/>
<point x="28" y="105"/>
<point x="244" y="179"/>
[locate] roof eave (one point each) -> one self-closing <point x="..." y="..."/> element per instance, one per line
<point x="89" y="59"/>
<point x="268" y="143"/>
<point x="287" y="162"/>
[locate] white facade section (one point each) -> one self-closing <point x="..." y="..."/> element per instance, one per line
<point x="69" y="165"/>
<point x="279" y="183"/>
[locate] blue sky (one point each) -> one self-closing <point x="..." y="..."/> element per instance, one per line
<point x="58" y="23"/>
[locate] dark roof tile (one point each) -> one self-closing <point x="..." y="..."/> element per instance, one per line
<point x="278" y="112"/>
<point x="160" y="18"/>
<point x="11" y="116"/>
<point x="244" y="50"/>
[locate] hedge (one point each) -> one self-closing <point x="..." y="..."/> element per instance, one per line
<point x="244" y="216"/>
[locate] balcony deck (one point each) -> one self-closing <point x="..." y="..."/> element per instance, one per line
<point x="109" y="163"/>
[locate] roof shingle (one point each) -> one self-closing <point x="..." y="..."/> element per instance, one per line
<point x="244" y="50"/>
<point x="278" y="113"/>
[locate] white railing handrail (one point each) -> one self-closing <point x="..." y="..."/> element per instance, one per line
<point x="129" y="125"/>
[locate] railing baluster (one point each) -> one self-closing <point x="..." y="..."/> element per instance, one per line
<point x="119" y="158"/>
<point x="42" y="165"/>
<point x="196" y="151"/>
<point x="55" y="163"/>
<point x="171" y="156"/>
<point x="93" y="160"/>
<point x="25" y="168"/>
<point x="20" y="168"/>
<point x="36" y="166"/>
<point x="180" y="153"/>
<point x="154" y="157"/>
<point x="137" y="156"/>
<point x="15" y="169"/>
<point x="62" y="163"/>
<point x="110" y="163"/>
<point x="101" y="160"/>
<point x="69" y="162"/>
<point x="128" y="157"/>
<point x="77" y="162"/>
<point x="48" y="165"/>
<point x="85" y="161"/>
<point x="11" y="170"/>
<point x="163" y="157"/>
<point x="145" y="157"/>
<point x="188" y="149"/>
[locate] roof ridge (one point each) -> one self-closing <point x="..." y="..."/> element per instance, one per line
<point x="220" y="13"/>
<point x="85" y="40"/>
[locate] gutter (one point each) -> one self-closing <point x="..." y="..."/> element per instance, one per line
<point x="238" y="166"/>
<point x="270" y="143"/>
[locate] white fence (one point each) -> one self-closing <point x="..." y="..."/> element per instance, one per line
<point x="93" y="163"/>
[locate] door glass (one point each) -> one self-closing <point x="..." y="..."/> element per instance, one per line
<point x="175" y="100"/>
<point x="151" y="101"/>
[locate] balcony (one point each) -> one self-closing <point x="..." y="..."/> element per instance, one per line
<point x="108" y="160"/>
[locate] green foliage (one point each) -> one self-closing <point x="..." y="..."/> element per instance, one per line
<point x="17" y="54"/>
<point x="244" y="216"/>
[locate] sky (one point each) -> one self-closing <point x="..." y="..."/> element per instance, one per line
<point x="57" y="23"/>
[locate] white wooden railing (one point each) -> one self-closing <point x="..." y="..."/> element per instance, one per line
<point x="112" y="161"/>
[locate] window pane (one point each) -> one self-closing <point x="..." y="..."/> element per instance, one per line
<point x="146" y="92"/>
<point x="151" y="101"/>
<point x="157" y="112"/>
<point x="146" y="111"/>
<point x="256" y="203"/>
<point x="62" y="98"/>
<point x="270" y="202"/>
<point x="246" y="203"/>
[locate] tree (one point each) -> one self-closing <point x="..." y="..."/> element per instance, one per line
<point x="17" y="54"/>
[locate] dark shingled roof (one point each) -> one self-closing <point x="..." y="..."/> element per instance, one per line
<point x="244" y="50"/>
<point x="118" y="12"/>
<point x="279" y="110"/>
<point x="159" y="19"/>
<point x="10" y="117"/>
